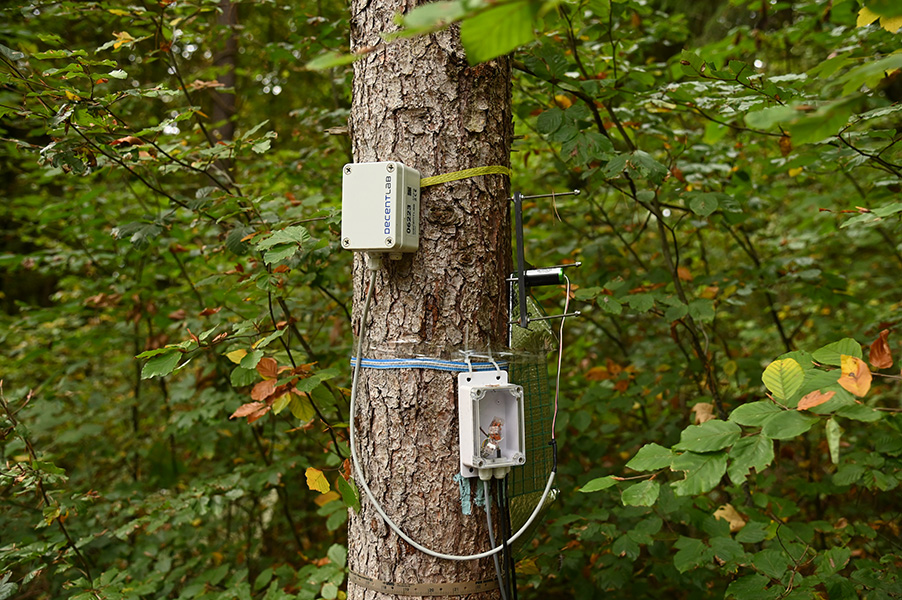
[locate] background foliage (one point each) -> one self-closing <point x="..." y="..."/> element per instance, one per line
<point x="730" y="407"/>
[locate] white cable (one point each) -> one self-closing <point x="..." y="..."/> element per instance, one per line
<point x="358" y="471"/>
<point x="488" y="517"/>
<point x="560" y="356"/>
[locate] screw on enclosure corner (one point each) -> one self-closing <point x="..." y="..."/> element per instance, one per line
<point x="388" y="241"/>
<point x="346" y="242"/>
<point x="347" y="170"/>
<point x="390" y="167"/>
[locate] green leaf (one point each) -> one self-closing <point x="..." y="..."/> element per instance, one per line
<point x="161" y="365"/>
<point x="251" y="359"/>
<point x="753" y="452"/>
<point x="755" y="414"/>
<point x="703" y="472"/>
<point x="860" y="412"/>
<point x="831" y="354"/>
<point x="308" y="384"/>
<point x="772" y="563"/>
<point x="834" y="433"/>
<point x="691" y="554"/>
<point x="349" y="493"/>
<point x="884" y="8"/>
<point x="651" y="457"/>
<point x="648" y="166"/>
<point x="329" y="60"/>
<point x="610" y="305"/>
<point x="676" y="312"/>
<point x="768" y="117"/>
<point x="240" y="377"/>
<point x="703" y="204"/>
<point x="833" y="560"/>
<point x="278" y="253"/>
<point x="434" y="14"/>
<point x="118" y="74"/>
<point x="641" y="302"/>
<point x="550" y="120"/>
<point x="641" y="494"/>
<point x="702" y="309"/>
<point x="870" y="74"/>
<point x="788" y="424"/>
<point x="7" y="588"/>
<point x="751" y="587"/>
<point x="11" y="54"/>
<point x="783" y="378"/>
<point x="708" y="436"/>
<point x="498" y="30"/>
<point x="289" y="235"/>
<point x="337" y="553"/>
<point x="598" y="484"/>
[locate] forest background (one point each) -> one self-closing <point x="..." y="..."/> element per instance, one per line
<point x="729" y="419"/>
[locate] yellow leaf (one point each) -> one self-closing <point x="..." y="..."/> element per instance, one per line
<point x="865" y="17"/>
<point x="316" y="480"/>
<point x="528" y="566"/>
<point x="236" y="355"/>
<point x="731" y="516"/>
<point x="856" y="377"/>
<point x="281" y="402"/>
<point x="123" y="37"/>
<point x="326" y="498"/>
<point x="730" y="367"/>
<point x="118" y="12"/>
<point x="563" y="101"/>
<point x="72" y="97"/>
<point x="301" y="408"/>
<point x="796" y="171"/>
<point x="891" y="24"/>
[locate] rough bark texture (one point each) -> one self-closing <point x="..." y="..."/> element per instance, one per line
<point x="418" y="102"/>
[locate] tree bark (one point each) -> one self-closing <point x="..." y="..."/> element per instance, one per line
<point x="418" y="102"/>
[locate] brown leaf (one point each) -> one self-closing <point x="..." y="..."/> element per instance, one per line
<point x="815" y="398"/>
<point x="128" y="140"/>
<point x="220" y="337"/>
<point x="247" y="409"/>
<point x="193" y="337"/>
<point x="880" y="356"/>
<point x="268" y="368"/>
<point x="684" y="274"/>
<point x="263" y="389"/>
<point x="729" y="514"/>
<point x="281" y="269"/>
<point x="704" y="411"/>
<point x="210" y="311"/>
<point x="856" y="377"/>
<point x="785" y="145"/>
<point x="253" y="417"/>
<point x="178" y="315"/>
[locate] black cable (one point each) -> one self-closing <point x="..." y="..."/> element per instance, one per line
<point x="506" y="532"/>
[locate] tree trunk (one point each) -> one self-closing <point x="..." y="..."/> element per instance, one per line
<point x="418" y="102"/>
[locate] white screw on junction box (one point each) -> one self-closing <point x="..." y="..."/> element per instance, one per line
<point x="380" y="207"/>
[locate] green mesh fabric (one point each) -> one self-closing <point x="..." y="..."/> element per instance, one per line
<point x="529" y="369"/>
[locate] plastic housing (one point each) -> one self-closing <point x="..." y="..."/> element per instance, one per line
<point x="483" y="397"/>
<point x="380" y="207"/>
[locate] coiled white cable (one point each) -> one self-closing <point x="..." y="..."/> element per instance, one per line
<point x="358" y="471"/>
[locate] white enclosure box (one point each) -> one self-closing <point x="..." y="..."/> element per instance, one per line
<point x="492" y="431"/>
<point x="380" y="207"/>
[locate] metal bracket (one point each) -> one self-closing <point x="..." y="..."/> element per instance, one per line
<point x="538" y="276"/>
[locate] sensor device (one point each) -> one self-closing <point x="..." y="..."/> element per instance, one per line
<point x="492" y="431"/>
<point x="380" y="207"/>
